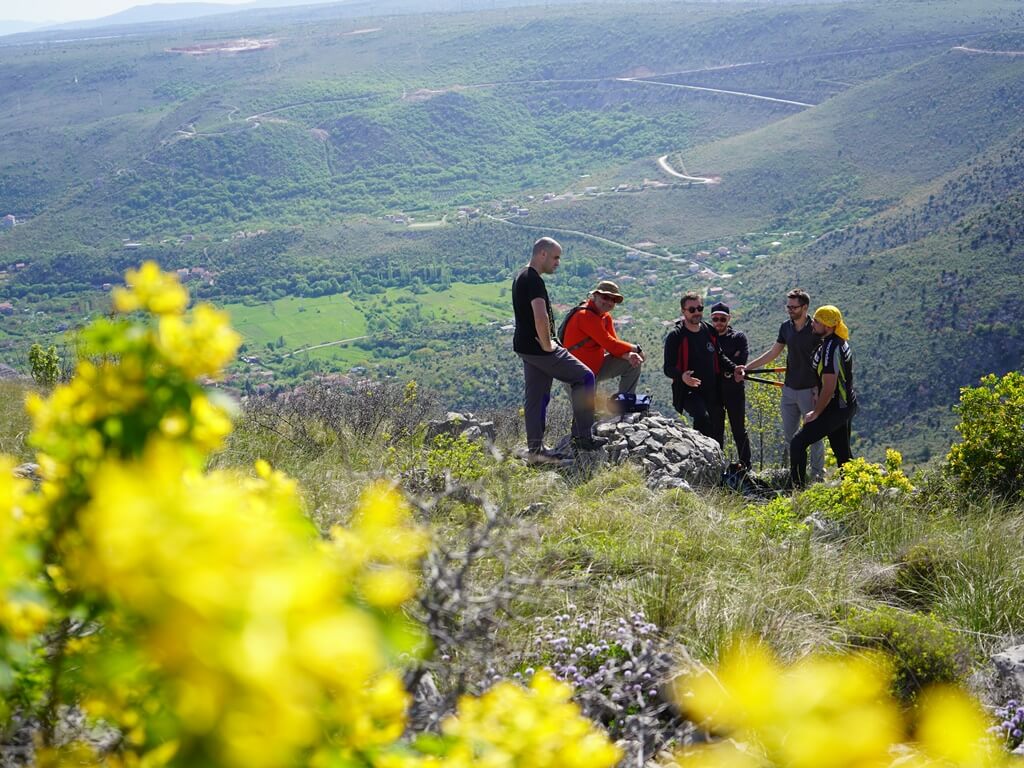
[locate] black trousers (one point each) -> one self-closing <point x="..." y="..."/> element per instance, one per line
<point x="735" y="401"/>
<point x="704" y="407"/>
<point x="835" y="424"/>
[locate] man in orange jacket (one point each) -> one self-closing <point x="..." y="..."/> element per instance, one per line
<point x="589" y="334"/>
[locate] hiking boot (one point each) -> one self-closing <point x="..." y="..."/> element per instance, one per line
<point x="592" y="443"/>
<point x="543" y="455"/>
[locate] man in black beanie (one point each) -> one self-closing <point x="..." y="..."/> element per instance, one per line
<point x="734" y="345"/>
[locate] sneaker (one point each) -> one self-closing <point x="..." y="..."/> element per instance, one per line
<point x="543" y="455"/>
<point x="592" y="443"/>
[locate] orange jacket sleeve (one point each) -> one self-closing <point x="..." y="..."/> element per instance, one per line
<point x="602" y="330"/>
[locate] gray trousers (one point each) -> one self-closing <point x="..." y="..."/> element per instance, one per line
<point x="538" y="372"/>
<point x="795" y="403"/>
<point x="619" y="368"/>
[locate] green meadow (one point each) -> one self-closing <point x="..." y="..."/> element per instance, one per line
<point x="305" y="322"/>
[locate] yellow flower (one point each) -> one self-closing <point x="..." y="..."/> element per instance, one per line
<point x="151" y="290"/>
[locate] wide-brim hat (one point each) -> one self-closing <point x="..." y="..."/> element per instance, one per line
<point x="609" y="289"/>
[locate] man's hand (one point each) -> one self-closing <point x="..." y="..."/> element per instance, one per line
<point x="635" y="359"/>
<point x="740" y="373"/>
<point x="690" y="380"/>
<point x="810" y="416"/>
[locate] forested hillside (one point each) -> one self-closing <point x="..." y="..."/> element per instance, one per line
<point x="868" y="150"/>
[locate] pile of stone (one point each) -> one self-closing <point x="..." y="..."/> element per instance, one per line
<point x="465" y="424"/>
<point x="671" y="454"/>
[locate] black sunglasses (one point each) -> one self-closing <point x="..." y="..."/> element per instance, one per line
<point x="698" y="308"/>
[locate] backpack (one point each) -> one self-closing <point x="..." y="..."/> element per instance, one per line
<point x="737" y="477"/>
<point x="628" y="402"/>
<point x="565" y="324"/>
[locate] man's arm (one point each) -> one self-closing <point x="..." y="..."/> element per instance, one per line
<point x="543" y="326"/>
<point x="766" y="357"/>
<point x="592" y="325"/>
<point x="828" y="388"/>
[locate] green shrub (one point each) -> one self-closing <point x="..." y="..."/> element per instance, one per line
<point x="45" y="365"/>
<point x="991" y="453"/>
<point x="860" y="483"/>
<point x="464" y="459"/>
<point x="775" y="519"/>
<point x="923" y="650"/>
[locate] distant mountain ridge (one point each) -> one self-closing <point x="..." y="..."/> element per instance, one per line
<point x="160" y="12"/>
<point x="13" y="27"/>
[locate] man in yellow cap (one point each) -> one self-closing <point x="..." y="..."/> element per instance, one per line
<point x="836" y="402"/>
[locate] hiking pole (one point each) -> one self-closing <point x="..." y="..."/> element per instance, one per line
<point x="764" y="381"/>
<point x="766" y="370"/>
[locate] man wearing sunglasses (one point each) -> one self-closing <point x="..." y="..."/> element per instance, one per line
<point x="734" y="398"/>
<point x="695" y="363"/>
<point x="589" y="334"/>
<point x="801" y="382"/>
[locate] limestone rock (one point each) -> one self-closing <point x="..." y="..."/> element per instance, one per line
<point x="456" y="424"/>
<point x="671" y="454"/>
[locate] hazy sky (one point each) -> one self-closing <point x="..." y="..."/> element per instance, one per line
<point x="74" y="10"/>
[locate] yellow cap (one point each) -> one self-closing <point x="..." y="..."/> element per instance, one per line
<point x="833" y="318"/>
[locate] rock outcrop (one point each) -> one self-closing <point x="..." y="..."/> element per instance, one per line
<point x="465" y="424"/>
<point x="671" y="454"/>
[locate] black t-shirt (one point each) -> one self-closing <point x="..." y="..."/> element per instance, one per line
<point x="527" y="286"/>
<point x="835" y="356"/>
<point x="800" y="347"/>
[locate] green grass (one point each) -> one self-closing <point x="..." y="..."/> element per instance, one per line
<point x="300" y="322"/>
<point x="611" y="546"/>
<point x="305" y="322"/>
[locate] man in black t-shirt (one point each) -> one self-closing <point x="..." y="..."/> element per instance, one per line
<point x="734" y="345"/>
<point x="695" y="364"/>
<point x="801" y="383"/>
<point x="544" y="359"/>
<point x="836" y="403"/>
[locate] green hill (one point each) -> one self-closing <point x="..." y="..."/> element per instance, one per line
<point x="332" y="162"/>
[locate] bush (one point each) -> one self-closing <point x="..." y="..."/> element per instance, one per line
<point x="990" y="456"/>
<point x="45" y="365"/>
<point x="458" y="457"/>
<point x="775" y="519"/>
<point x="924" y="651"/>
<point x="196" y="612"/>
<point x="860" y="483"/>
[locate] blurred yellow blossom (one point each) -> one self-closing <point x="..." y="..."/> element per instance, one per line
<point x="152" y="290"/>
<point x="222" y="629"/>
<point x="826" y="711"/>
<point x="539" y="727"/>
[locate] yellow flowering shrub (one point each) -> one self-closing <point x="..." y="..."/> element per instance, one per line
<point x="199" y="612"/>
<point x="828" y="712"/>
<point x="860" y="482"/>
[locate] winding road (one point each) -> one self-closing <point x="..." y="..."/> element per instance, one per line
<point x="715" y="90"/>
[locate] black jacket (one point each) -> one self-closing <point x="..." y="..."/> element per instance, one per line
<point x="734" y="345"/>
<point x="699" y="352"/>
